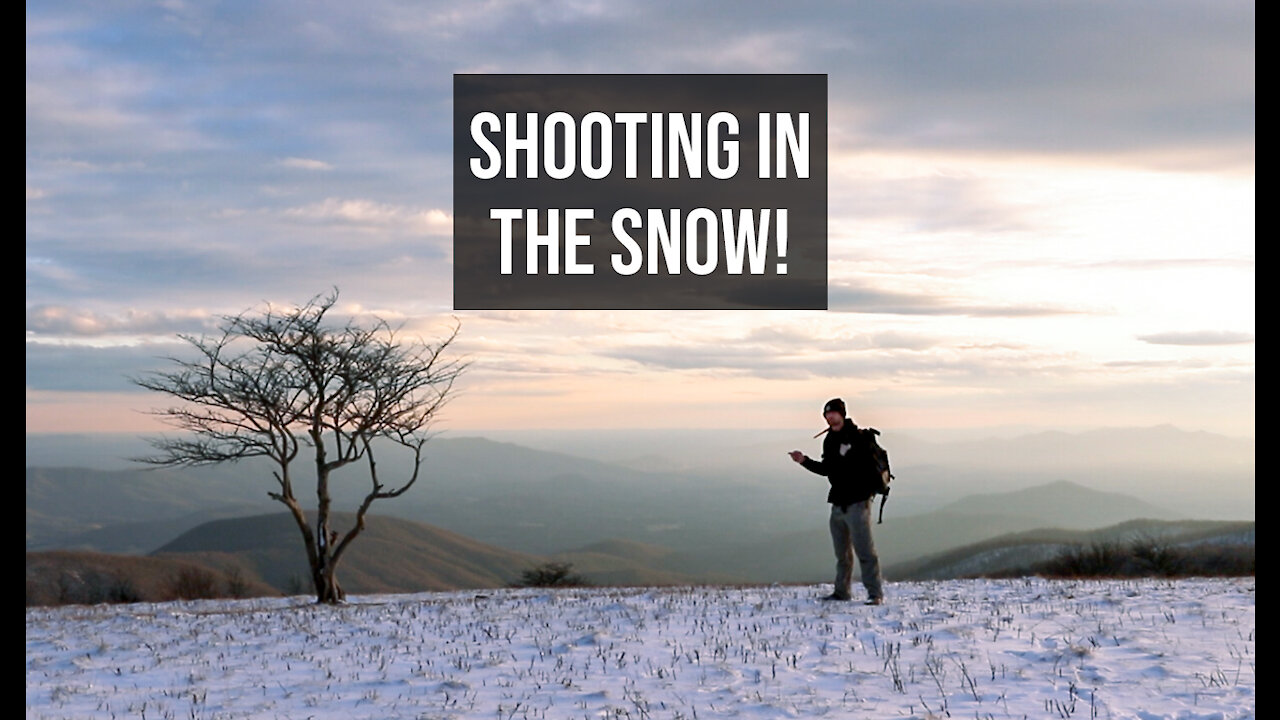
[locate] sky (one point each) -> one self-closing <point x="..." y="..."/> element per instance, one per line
<point x="1041" y="215"/>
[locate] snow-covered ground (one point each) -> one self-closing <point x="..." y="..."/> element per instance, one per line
<point x="1024" y="648"/>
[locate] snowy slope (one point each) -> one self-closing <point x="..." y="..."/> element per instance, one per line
<point x="1147" y="649"/>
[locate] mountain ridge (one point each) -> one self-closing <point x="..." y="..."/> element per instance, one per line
<point x="397" y="555"/>
<point x="1047" y="499"/>
<point x="771" y="524"/>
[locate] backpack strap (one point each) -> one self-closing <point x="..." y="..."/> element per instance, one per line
<point x="872" y="432"/>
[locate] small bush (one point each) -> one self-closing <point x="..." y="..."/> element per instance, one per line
<point x="194" y="584"/>
<point x="74" y="578"/>
<point x="1146" y="557"/>
<point x="237" y="584"/>
<point x="65" y="589"/>
<point x="551" y="574"/>
<point x="88" y="587"/>
<point x="1098" y="559"/>
<point x="122" y="590"/>
<point x="1157" y="557"/>
<point x="1220" y="560"/>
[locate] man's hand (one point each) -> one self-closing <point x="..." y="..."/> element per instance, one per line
<point x="796" y="455"/>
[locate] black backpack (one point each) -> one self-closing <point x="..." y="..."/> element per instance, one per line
<point x="883" y="474"/>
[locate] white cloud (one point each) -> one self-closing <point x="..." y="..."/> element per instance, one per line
<point x="75" y="322"/>
<point x="370" y="213"/>
<point x="305" y="164"/>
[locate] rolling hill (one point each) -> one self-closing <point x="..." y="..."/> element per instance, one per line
<point x="62" y="577"/>
<point x="1061" y="504"/>
<point x="261" y="555"/>
<point x="394" y="555"/>
<point x="1018" y="551"/>
<point x="391" y="555"/>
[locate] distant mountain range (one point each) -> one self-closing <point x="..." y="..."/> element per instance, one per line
<point x="803" y="556"/>
<point x="130" y="510"/>
<point x="1192" y="473"/>
<point x="499" y="507"/>
<point x="397" y="556"/>
<point x="471" y="486"/>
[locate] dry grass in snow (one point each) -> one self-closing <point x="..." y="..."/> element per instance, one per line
<point x="1021" y="648"/>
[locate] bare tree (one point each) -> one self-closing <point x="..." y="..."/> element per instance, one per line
<point x="283" y="382"/>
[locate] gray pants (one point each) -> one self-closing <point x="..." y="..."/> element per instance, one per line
<point x="850" y="535"/>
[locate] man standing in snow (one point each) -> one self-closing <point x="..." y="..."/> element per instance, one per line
<point x="851" y="470"/>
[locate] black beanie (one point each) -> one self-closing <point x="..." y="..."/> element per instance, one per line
<point x="835" y="404"/>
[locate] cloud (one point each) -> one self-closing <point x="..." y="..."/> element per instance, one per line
<point x="98" y="105"/>
<point x="1198" y="337"/>
<point x="1125" y="79"/>
<point x="1159" y="364"/>
<point x="927" y="203"/>
<point x="884" y="340"/>
<point x="749" y="50"/>
<point x="85" y="368"/>
<point x="1108" y="77"/>
<point x="951" y="368"/>
<point x="64" y="321"/>
<point x="305" y="164"/>
<point x="845" y="298"/>
<point x="375" y="214"/>
<point x="1175" y="264"/>
<point x="184" y="156"/>
<point x="1052" y="77"/>
<point x="831" y="347"/>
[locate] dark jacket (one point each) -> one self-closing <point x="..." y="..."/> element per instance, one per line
<point x="848" y="465"/>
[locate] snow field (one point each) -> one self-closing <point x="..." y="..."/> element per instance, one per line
<point x="1146" y="649"/>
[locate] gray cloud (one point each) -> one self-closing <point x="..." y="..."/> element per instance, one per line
<point x="817" y="360"/>
<point x="167" y="144"/>
<point x="888" y="340"/>
<point x="1110" y="77"/>
<point x="83" y="368"/>
<point x="1056" y="77"/>
<point x="206" y="266"/>
<point x="844" y="298"/>
<point x="170" y="163"/>
<point x="1198" y="337"/>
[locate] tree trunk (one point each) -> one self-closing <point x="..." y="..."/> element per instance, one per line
<point x="328" y="589"/>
